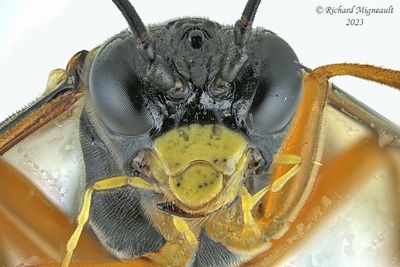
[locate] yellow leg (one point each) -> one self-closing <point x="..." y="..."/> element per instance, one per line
<point x="249" y="201"/>
<point x="83" y="217"/>
<point x="281" y="181"/>
<point x="182" y="227"/>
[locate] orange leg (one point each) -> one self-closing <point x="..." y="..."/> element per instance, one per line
<point x="370" y="152"/>
<point x="366" y="72"/>
<point x="35" y="232"/>
<point x="335" y="180"/>
<point x="303" y="136"/>
<point x="278" y="206"/>
<point x="388" y="131"/>
<point x="30" y="225"/>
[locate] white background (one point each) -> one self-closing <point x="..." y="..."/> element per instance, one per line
<point x="37" y="36"/>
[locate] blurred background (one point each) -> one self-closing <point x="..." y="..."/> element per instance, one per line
<point x="37" y="36"/>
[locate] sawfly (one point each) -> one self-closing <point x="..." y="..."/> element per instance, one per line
<point x="193" y="143"/>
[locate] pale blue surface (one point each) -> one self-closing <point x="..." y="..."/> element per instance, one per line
<point x="8" y="12"/>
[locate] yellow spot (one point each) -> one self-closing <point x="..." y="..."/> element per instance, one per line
<point x="197" y="185"/>
<point x="183" y="228"/>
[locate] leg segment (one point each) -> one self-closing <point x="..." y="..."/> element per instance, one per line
<point x="330" y="180"/>
<point x="351" y="106"/>
<point x="32" y="225"/>
<point x="110" y="183"/>
<point x="336" y="179"/>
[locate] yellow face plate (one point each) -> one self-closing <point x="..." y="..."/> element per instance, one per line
<point x="197" y="184"/>
<point x="215" y="144"/>
<point x="198" y="161"/>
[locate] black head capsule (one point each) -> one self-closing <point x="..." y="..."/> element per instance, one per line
<point x="192" y="74"/>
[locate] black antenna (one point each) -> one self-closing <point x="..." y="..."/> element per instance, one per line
<point x="136" y="25"/>
<point x="243" y="26"/>
<point x="250" y="12"/>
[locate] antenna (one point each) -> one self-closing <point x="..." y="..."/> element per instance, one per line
<point x="250" y="12"/>
<point x="136" y="25"/>
<point x="243" y="26"/>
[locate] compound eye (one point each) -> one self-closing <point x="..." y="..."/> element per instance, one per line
<point x="118" y="93"/>
<point x="220" y="89"/>
<point x="121" y="105"/>
<point x="181" y="91"/>
<point x="278" y="90"/>
<point x="272" y="109"/>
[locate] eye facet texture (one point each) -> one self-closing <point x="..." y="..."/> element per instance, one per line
<point x="117" y="91"/>
<point x="279" y="87"/>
